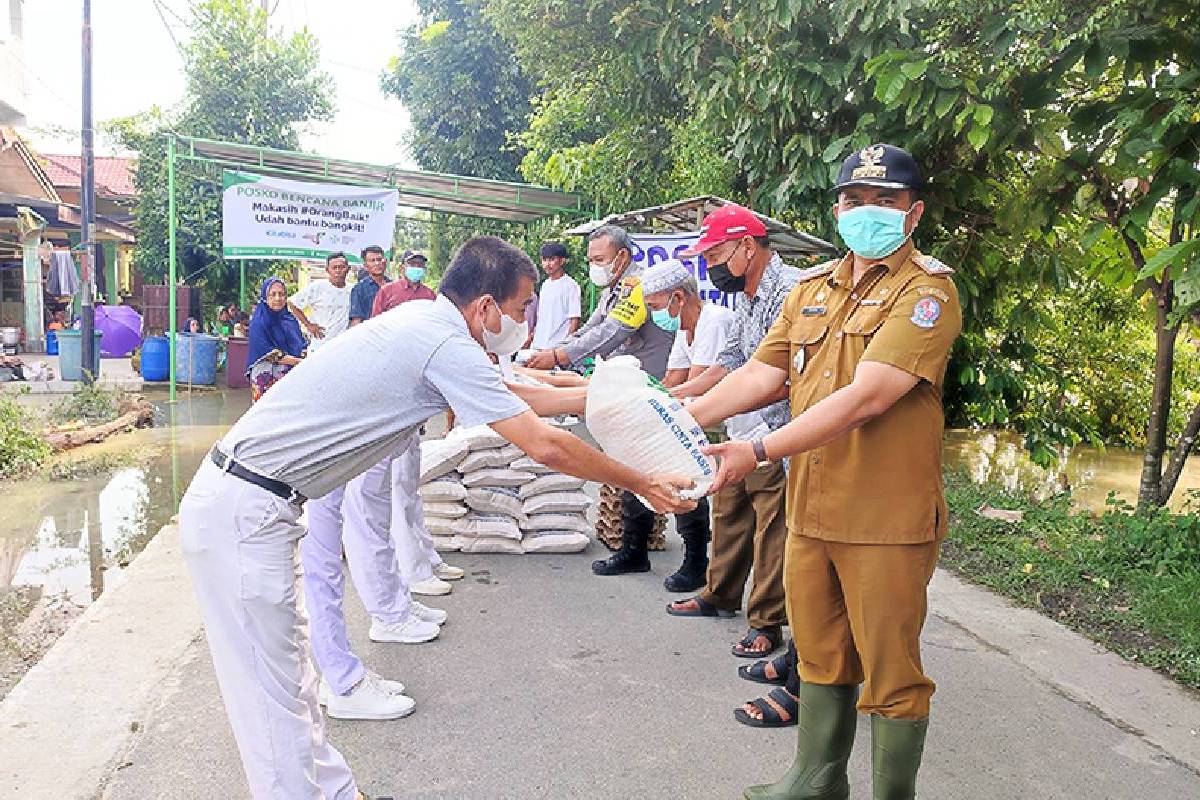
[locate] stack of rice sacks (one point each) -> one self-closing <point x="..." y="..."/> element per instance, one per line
<point x="481" y="494"/>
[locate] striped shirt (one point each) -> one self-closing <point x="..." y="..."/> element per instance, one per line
<point x="753" y="318"/>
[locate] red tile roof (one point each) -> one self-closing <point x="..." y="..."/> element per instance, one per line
<point x="114" y="176"/>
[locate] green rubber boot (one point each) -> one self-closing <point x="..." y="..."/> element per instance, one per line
<point x="896" y="747"/>
<point x="827" y="721"/>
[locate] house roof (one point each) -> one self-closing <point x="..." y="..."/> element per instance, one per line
<point x="114" y="175"/>
<point x="686" y="216"/>
<point x="9" y="138"/>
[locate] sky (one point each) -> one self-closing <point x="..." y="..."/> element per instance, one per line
<point x="136" y="65"/>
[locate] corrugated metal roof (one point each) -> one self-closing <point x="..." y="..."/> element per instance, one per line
<point x="431" y="191"/>
<point x="686" y="216"/>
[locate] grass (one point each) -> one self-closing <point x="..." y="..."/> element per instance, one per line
<point x="1129" y="581"/>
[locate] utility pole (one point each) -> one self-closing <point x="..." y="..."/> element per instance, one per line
<point x="87" y="194"/>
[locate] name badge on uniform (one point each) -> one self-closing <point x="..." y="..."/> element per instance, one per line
<point x="871" y="303"/>
<point x="813" y="311"/>
<point x="798" y="360"/>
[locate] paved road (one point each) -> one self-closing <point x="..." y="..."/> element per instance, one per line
<point x="551" y="683"/>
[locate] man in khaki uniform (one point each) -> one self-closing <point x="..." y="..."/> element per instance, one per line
<point x="863" y="344"/>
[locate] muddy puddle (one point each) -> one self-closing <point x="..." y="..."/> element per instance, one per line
<point x="67" y="535"/>
<point x="1091" y="473"/>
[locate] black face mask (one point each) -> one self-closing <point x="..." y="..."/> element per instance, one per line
<point x="725" y="280"/>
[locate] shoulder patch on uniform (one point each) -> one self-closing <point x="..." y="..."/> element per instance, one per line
<point x="932" y="265"/>
<point x="940" y="294"/>
<point x="818" y="271"/>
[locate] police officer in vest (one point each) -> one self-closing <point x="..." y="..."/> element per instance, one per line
<point x="862" y="344"/>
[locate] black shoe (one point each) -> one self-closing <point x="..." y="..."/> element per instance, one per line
<point x="622" y="562"/>
<point x="693" y="572"/>
<point x="685" y="580"/>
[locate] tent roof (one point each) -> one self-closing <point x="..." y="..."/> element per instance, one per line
<point x="686" y="215"/>
<point x="432" y="191"/>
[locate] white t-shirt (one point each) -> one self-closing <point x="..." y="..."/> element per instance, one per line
<point x="713" y="329"/>
<point x="558" y="303"/>
<point x="326" y="305"/>
<point x="336" y="414"/>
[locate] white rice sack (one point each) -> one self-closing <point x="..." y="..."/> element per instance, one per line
<point x="479" y="437"/>
<point x="550" y="542"/>
<point x="478" y="525"/>
<point x="440" y="526"/>
<point x="527" y="464"/>
<point x="644" y="428"/>
<point x="497" y="477"/>
<point x="556" y="503"/>
<point x="444" y="510"/>
<point x="444" y="544"/>
<point x="555" y="482"/>
<point x="494" y="544"/>
<point x="446" y="489"/>
<point x="576" y="523"/>
<point x="440" y="456"/>
<point x="495" y="500"/>
<point x="492" y="457"/>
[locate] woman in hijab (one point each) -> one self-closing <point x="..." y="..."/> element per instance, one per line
<point x="276" y="344"/>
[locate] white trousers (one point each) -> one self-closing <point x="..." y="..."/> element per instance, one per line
<point x="414" y="544"/>
<point x="240" y="545"/>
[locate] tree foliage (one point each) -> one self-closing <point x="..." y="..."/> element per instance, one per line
<point x="464" y="89"/>
<point x="244" y="83"/>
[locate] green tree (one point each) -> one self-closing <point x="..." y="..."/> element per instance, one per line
<point x="244" y="83"/>
<point x="464" y="90"/>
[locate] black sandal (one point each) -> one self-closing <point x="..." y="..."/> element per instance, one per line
<point x="773" y="635"/>
<point x="704" y="609"/>
<point x="757" y="671"/>
<point x="770" y="717"/>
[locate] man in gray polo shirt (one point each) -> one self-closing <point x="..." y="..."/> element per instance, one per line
<point x="239" y="519"/>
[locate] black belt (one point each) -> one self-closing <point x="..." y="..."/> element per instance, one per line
<point x="277" y="488"/>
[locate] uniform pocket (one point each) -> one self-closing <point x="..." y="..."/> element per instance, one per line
<point x="805" y="337"/>
<point x="865" y="321"/>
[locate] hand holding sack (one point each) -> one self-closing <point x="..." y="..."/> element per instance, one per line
<point x="644" y="427"/>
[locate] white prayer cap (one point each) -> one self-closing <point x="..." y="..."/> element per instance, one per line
<point x="666" y="276"/>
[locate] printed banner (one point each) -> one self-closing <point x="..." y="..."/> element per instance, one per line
<point x="264" y="217"/>
<point x="650" y="248"/>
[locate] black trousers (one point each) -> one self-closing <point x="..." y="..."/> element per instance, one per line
<point x="638" y="522"/>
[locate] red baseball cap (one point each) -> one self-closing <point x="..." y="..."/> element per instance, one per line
<point x="727" y="223"/>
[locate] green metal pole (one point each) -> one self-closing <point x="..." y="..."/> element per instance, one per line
<point x="172" y="267"/>
<point x="242" y="283"/>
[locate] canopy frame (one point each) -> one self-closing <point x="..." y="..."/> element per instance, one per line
<point x="460" y="195"/>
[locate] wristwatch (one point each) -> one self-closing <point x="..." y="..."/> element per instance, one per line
<point x="760" y="453"/>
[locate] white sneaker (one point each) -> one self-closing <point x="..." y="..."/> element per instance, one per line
<point x="324" y="692"/>
<point x="431" y="587"/>
<point x="410" y="630"/>
<point x="448" y="573"/>
<point x="369" y="700"/>
<point x="434" y="615"/>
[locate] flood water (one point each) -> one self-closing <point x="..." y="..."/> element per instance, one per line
<point x="1091" y="473"/>
<point x="72" y="537"/>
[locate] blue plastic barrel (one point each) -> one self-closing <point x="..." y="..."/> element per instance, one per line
<point x="70" y="357"/>
<point x="156" y="359"/>
<point x="51" y="343"/>
<point x="196" y="359"/>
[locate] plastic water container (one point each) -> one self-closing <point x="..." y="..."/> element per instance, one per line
<point x="156" y="359"/>
<point x="235" y="363"/>
<point x="51" y="343"/>
<point x="70" y="356"/>
<point x="196" y="359"/>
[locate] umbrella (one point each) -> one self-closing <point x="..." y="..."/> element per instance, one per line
<point x="121" y="329"/>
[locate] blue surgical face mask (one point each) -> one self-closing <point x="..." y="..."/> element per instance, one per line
<point x="663" y="319"/>
<point x="414" y="274"/>
<point x="873" y="231"/>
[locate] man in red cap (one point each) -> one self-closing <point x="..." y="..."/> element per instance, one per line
<point x="748" y="517"/>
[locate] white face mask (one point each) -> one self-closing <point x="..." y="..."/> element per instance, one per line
<point x="601" y="274"/>
<point x="510" y="338"/>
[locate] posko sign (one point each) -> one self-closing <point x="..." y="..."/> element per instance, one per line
<point x="650" y="248"/>
<point x="265" y="217"/>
